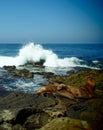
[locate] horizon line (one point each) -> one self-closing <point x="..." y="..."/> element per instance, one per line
<point x="51" y="42"/>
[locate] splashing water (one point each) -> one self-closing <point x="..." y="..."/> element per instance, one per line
<point x="33" y="53"/>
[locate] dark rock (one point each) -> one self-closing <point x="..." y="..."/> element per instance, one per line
<point x="47" y="75"/>
<point x="9" y="67"/>
<point x="18" y="127"/>
<point x="36" y="120"/>
<point x="19" y="100"/>
<point x="89" y="110"/>
<point x="18" y="73"/>
<point x="19" y="111"/>
<point x="32" y="111"/>
<point x="35" y="64"/>
<point x="39" y="63"/>
<point x="23" y="73"/>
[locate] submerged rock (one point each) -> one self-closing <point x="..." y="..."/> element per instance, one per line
<point x="24" y="73"/>
<point x="9" y="68"/>
<point x="39" y="63"/>
<point x="36" y="64"/>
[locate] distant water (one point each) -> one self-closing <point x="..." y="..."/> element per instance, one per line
<point x="58" y="58"/>
<point x="55" y="55"/>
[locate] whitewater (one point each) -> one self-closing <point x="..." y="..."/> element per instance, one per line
<point x="57" y="58"/>
<point x="33" y="53"/>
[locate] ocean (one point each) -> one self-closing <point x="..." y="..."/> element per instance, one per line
<point x="58" y="58"/>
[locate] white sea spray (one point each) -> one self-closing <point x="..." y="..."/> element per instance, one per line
<point x="32" y="53"/>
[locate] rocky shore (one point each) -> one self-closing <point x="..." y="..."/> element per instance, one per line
<point x="45" y="111"/>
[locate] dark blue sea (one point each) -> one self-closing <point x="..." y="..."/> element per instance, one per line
<point x="58" y="58"/>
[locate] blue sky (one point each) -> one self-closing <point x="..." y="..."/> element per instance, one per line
<point x="51" y="21"/>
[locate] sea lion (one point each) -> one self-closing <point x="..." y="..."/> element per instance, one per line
<point x="87" y="91"/>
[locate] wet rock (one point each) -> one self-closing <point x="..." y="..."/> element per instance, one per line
<point x="9" y="68"/>
<point x="35" y="64"/>
<point x="24" y="73"/>
<point x="47" y="75"/>
<point x="40" y="63"/>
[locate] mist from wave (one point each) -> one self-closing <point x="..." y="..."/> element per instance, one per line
<point x="33" y="53"/>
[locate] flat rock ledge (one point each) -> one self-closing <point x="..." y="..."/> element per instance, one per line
<point x="20" y="111"/>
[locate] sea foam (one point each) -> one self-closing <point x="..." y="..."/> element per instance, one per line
<point x="33" y="53"/>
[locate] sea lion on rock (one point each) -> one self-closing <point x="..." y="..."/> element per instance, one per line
<point x="87" y="91"/>
<point x="52" y="89"/>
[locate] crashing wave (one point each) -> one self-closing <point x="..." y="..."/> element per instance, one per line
<point x="35" y="53"/>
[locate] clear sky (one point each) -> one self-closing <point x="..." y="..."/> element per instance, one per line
<point x="51" y="21"/>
